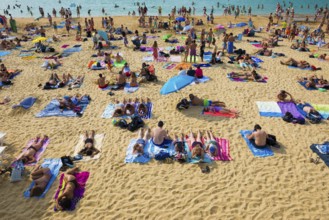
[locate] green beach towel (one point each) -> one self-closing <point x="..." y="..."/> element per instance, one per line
<point x="116" y="64"/>
<point x="166" y="37"/>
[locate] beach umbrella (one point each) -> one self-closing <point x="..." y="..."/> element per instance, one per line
<point x="103" y="35"/>
<point x="176" y="83"/>
<point x="242" y="24"/>
<point x="36" y="40"/>
<point x="180" y="19"/>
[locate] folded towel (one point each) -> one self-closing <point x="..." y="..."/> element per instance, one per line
<point x="38" y="154"/>
<point x="133" y="158"/>
<point x="324" y="157"/>
<point x="81" y="178"/>
<point x="129" y="89"/>
<point x="98" y="144"/>
<point x="269" y="109"/>
<point x="257" y="152"/>
<point x="289" y="107"/>
<point x="54" y="165"/>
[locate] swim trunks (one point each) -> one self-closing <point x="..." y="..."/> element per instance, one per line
<point x="207" y="103"/>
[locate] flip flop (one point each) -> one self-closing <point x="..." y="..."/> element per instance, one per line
<point x="205" y="170"/>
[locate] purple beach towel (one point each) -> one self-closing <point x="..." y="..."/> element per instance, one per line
<point x="289" y="107"/>
<point x="79" y="191"/>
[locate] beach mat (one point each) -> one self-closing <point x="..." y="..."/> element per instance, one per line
<point x="324" y="157"/>
<point x="133" y="158"/>
<point x="4" y="53"/>
<point x="81" y="178"/>
<point x="98" y="144"/>
<point x="54" y="165"/>
<point x="52" y="109"/>
<point x="257" y="152"/>
<point x="269" y="109"/>
<point x="38" y="154"/>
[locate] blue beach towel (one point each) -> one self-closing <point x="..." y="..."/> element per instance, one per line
<point x="153" y="149"/>
<point x="256" y="59"/>
<point x="52" y="109"/>
<point x="295" y="67"/>
<point x="72" y="50"/>
<point x="324" y="157"/>
<point x="131" y="158"/>
<point x="4" y="53"/>
<point x="129" y="89"/>
<point x="202" y="65"/>
<point x="54" y="165"/>
<point x="304" y="85"/>
<point x="26" y="103"/>
<point x="257" y="152"/>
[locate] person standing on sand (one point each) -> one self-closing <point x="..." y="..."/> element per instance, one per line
<point x="155" y="51"/>
<point x="210" y="37"/>
<point x="193" y="47"/>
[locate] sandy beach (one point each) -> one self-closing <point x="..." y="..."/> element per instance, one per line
<point x="284" y="186"/>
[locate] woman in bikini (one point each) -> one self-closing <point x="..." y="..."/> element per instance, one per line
<point x="133" y="81"/>
<point x="211" y="144"/>
<point x="197" y="147"/>
<point x="29" y="154"/>
<point x="64" y="201"/>
<point x="143" y="108"/>
<point x="142" y="138"/>
<point x="89" y="148"/>
<point x="41" y="177"/>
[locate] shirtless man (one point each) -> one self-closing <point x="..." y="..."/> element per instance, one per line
<point x="205" y="102"/>
<point x="258" y="137"/>
<point x="64" y="201"/>
<point x="283" y="96"/>
<point x="307" y="108"/>
<point x="29" y="153"/>
<point x="159" y="134"/>
<point x="292" y="62"/>
<point x="89" y="148"/>
<point x="41" y="177"/>
<point x="210" y="37"/>
<point x="121" y="80"/>
<point x="142" y="138"/>
<point x="102" y="83"/>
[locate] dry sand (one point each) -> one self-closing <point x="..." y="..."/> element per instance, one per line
<point x="285" y="186"/>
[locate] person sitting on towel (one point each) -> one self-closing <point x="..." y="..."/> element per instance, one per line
<point x="142" y="108"/>
<point x="283" y="97"/>
<point x="198" y="72"/>
<point x="205" y="102"/>
<point x="64" y="201"/>
<point x="191" y="72"/>
<point x="102" y="83"/>
<point x="180" y="153"/>
<point x="126" y="70"/>
<point x="211" y="144"/>
<point x="89" y="148"/>
<point x="28" y="155"/>
<point x="197" y="147"/>
<point x="121" y="80"/>
<point x="118" y="58"/>
<point x="41" y="177"/>
<point x="119" y="109"/>
<point x="159" y="135"/>
<point x="258" y="137"/>
<point x="142" y="138"/>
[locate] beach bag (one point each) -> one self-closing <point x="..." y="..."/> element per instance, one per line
<point x="299" y="120"/>
<point x="288" y="117"/>
<point x="314" y="119"/>
<point x="122" y="123"/>
<point x="183" y="104"/>
<point x="271" y="140"/>
<point x="151" y="78"/>
<point x="162" y="155"/>
<point x="136" y="123"/>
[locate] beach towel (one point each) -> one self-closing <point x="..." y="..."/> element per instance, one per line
<point x="25" y="54"/>
<point x="81" y="178"/>
<point x="162" y="59"/>
<point x="239" y="79"/>
<point x="169" y="66"/>
<point x="54" y="165"/>
<point x="257" y="152"/>
<point x="269" y="109"/>
<point x="52" y="109"/>
<point x="324" y="157"/>
<point x="152" y="150"/>
<point x="109" y="110"/>
<point x="38" y="154"/>
<point x="148" y="59"/>
<point x="120" y="65"/>
<point x="303" y="83"/>
<point x="133" y="158"/>
<point x="4" y="53"/>
<point x="184" y="66"/>
<point x="202" y="65"/>
<point x="129" y="89"/>
<point x="146" y="49"/>
<point x="175" y="59"/>
<point x="98" y="144"/>
<point x="27" y="58"/>
<point x="300" y="108"/>
<point x="223" y="149"/>
<point x="218" y="114"/>
<point x="256" y="59"/>
<point x="26" y="103"/>
<point x="289" y="107"/>
<point x="322" y="109"/>
<point x="202" y="80"/>
<point x="257" y="45"/>
<point x="72" y="50"/>
<point x="188" y="149"/>
<point x="65" y="46"/>
<point x="295" y="67"/>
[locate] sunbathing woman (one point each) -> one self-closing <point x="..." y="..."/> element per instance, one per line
<point x="309" y="82"/>
<point x="41" y="177"/>
<point x="253" y="75"/>
<point x="64" y="201"/>
<point x="56" y="81"/>
<point x="29" y="154"/>
<point x="292" y="62"/>
<point x="133" y="81"/>
<point x="76" y="83"/>
<point x="307" y="108"/>
<point x="142" y="138"/>
<point x="205" y="102"/>
<point x="89" y="148"/>
<point x="143" y="107"/>
<point x="283" y="97"/>
<point x="211" y="144"/>
<point x="217" y="109"/>
<point x="119" y="109"/>
<point x="197" y="147"/>
<point x="129" y="108"/>
<point x="180" y="153"/>
<point x="5" y="100"/>
<point x="52" y="65"/>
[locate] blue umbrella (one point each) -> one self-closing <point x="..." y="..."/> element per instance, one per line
<point x="180" y="19"/>
<point x="242" y="24"/>
<point x="103" y="34"/>
<point x="176" y="83"/>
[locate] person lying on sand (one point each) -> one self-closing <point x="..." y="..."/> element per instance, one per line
<point x="41" y="177"/>
<point x="53" y="64"/>
<point x="292" y="62"/>
<point x="124" y="108"/>
<point x="160" y="135"/>
<point x="258" y="137"/>
<point x="142" y="107"/>
<point x="28" y="155"/>
<point x="197" y="146"/>
<point x="54" y="80"/>
<point x="142" y="138"/>
<point x="5" y="100"/>
<point x="217" y="109"/>
<point x="76" y="83"/>
<point x="64" y="201"/>
<point x="253" y="75"/>
<point x="211" y="144"/>
<point x="89" y="148"/>
<point x="307" y="109"/>
<point x="283" y="97"/>
<point x="180" y="153"/>
<point x="204" y="102"/>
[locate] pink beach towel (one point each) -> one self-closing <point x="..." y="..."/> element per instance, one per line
<point x="37" y="154"/>
<point x="223" y="149"/>
<point x="219" y="114"/>
<point x="81" y="178"/>
<point x="65" y="46"/>
<point x="257" y="45"/>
